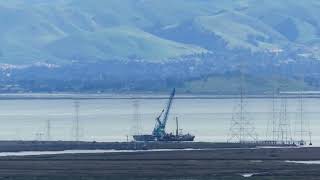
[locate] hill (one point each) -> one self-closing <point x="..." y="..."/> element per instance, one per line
<point x="62" y="31"/>
<point x="119" y="43"/>
<point x="153" y="45"/>
<point x="252" y="85"/>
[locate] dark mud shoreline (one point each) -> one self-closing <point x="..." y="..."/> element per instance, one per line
<point x="218" y="163"/>
<point x="16" y="146"/>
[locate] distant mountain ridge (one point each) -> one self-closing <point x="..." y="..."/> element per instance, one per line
<point x="64" y="31"/>
<point x="197" y="46"/>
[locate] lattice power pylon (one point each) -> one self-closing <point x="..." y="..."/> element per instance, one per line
<point x="242" y="129"/>
<point x="283" y="133"/>
<point x="137" y="126"/>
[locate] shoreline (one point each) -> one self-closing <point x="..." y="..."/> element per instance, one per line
<point x="129" y="96"/>
<point x="18" y="146"/>
<point x="274" y="163"/>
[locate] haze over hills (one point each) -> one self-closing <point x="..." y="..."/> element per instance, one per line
<point x="216" y="33"/>
<point x="66" y="30"/>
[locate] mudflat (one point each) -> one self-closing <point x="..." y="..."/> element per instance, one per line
<point x="223" y="163"/>
<point x="16" y="146"/>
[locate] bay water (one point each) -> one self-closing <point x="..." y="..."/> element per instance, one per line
<point x="117" y="119"/>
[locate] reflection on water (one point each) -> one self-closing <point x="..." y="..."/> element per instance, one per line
<point x="304" y="162"/>
<point x="112" y="119"/>
<point x="37" y="153"/>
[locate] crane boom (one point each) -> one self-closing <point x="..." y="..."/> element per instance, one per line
<point x="165" y="119"/>
<point x="159" y="132"/>
<point x="159" y="129"/>
<point x="158" y="118"/>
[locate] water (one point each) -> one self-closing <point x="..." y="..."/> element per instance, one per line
<point x="304" y="162"/>
<point x="38" y="153"/>
<point x="112" y="119"/>
<point x="98" y="151"/>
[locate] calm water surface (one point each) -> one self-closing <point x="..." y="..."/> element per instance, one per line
<point x="113" y="119"/>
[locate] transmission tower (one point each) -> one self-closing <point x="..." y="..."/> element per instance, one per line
<point x="283" y="132"/>
<point x="274" y="116"/>
<point x="137" y="127"/>
<point x="271" y="134"/>
<point x="48" y="130"/>
<point x="302" y="129"/>
<point x="272" y="131"/>
<point x="242" y="129"/>
<point x="76" y="121"/>
<point x="284" y="126"/>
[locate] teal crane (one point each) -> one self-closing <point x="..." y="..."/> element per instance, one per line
<point x="159" y="130"/>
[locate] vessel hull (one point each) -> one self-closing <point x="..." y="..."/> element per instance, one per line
<point x="166" y="138"/>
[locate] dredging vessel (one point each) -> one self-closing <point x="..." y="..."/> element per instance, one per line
<point x="159" y="132"/>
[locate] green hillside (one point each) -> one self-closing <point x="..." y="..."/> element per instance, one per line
<point x="250" y="35"/>
<point x="252" y="85"/>
<point x="61" y="31"/>
<point x="119" y="43"/>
